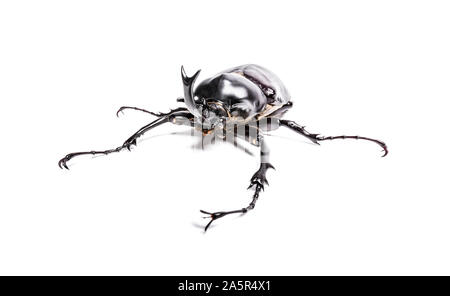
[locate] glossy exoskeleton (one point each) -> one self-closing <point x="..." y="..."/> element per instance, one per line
<point x="244" y="102"/>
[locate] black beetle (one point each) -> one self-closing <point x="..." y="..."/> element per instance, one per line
<point x="241" y="102"/>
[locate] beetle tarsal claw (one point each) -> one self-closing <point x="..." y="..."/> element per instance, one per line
<point x="216" y="215"/>
<point x="63" y="162"/>
<point x="212" y="216"/>
<point x="130" y="142"/>
<point x="206" y="213"/>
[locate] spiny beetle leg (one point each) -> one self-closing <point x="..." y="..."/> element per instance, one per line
<point x="217" y="215"/>
<point x="316" y="137"/>
<point x="62" y="163"/>
<point x="157" y="114"/>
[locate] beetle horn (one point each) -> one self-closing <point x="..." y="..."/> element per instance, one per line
<point x="188" y="86"/>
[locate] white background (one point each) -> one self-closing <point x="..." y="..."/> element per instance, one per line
<point x="373" y="68"/>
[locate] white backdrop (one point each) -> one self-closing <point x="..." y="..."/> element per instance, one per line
<point x="373" y="68"/>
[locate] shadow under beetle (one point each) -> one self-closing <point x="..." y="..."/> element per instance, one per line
<point x="244" y="102"/>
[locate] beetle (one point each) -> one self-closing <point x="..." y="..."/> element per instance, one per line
<point x="241" y="102"/>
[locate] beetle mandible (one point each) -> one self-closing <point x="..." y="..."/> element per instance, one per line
<point x="243" y="101"/>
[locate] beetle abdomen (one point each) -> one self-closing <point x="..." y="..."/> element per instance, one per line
<point x="267" y="81"/>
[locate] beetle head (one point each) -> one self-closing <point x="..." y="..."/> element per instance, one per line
<point x="214" y="114"/>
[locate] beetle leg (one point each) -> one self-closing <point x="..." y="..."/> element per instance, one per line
<point x="176" y="118"/>
<point x="158" y="114"/>
<point x="257" y="181"/>
<point x="316" y="138"/>
<point x="280" y="112"/>
<point x="216" y="215"/>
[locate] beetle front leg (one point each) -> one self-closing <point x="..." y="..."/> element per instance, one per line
<point x="316" y="138"/>
<point x="257" y="181"/>
<point x="177" y="118"/>
<point x="157" y="114"/>
<point x="216" y="215"/>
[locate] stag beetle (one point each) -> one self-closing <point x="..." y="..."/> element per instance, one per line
<point x="244" y="102"/>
